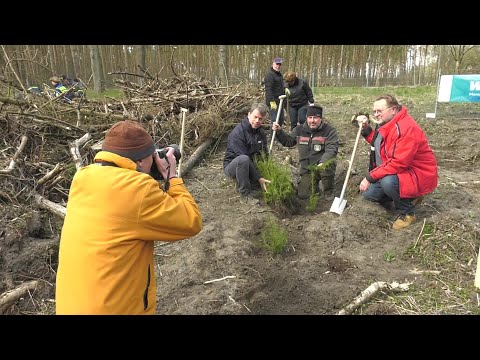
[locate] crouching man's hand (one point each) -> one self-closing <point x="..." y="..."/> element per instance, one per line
<point x="263" y="183"/>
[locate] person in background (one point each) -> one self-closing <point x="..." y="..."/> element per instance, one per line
<point x="245" y="143"/>
<point x="273" y="89"/>
<point x="403" y="167"/>
<point x="61" y="89"/>
<point x="115" y="212"/>
<point x="317" y="143"/>
<point x="299" y="96"/>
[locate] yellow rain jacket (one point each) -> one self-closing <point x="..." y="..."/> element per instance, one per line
<point x="114" y="215"/>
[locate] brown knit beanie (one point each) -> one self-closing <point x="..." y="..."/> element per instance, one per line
<point x="129" y="139"/>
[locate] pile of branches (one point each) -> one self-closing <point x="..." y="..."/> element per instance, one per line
<point x="46" y="140"/>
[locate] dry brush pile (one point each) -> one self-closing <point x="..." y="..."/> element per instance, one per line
<point x="45" y="140"/>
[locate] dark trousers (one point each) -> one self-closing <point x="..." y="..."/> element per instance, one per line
<point x="327" y="176"/>
<point x="243" y="170"/>
<point x="388" y="189"/>
<point x="273" y="117"/>
<point x="297" y="115"/>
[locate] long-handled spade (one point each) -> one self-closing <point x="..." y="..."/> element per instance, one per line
<point x="184" y="111"/>
<point x="339" y="203"/>
<point x="281" y="97"/>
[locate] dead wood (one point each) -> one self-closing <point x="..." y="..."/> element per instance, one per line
<point x="13" y="162"/>
<point x="8" y="298"/>
<point x="370" y="292"/>
<point x="192" y="160"/>
<point x="55" y="208"/>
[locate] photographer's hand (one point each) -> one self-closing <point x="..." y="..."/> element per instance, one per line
<point x="163" y="166"/>
<point x="173" y="162"/>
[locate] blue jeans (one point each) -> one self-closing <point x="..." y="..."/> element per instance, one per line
<point x="297" y="115"/>
<point x="388" y="189"/>
<point x="273" y="118"/>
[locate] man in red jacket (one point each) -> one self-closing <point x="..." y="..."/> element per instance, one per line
<point x="403" y="167"/>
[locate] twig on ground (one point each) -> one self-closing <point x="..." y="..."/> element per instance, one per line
<point x="221" y="279"/>
<point x="420" y="235"/>
<point x="203" y="184"/>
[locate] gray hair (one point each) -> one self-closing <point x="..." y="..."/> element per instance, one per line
<point x="261" y="107"/>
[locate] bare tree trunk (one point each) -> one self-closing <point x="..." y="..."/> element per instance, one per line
<point x="97" y="70"/>
<point x="340" y="68"/>
<point x="140" y="59"/>
<point x="222" y="64"/>
<point x="69" y="64"/>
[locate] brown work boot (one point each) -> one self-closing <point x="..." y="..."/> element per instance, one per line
<point x="417" y="201"/>
<point x="403" y="221"/>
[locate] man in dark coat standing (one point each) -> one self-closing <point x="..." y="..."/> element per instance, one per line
<point x="273" y="89"/>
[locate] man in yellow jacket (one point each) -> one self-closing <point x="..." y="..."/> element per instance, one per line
<point x="115" y="212"/>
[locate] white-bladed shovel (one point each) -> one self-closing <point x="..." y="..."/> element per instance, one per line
<point x="339" y="203"/>
<point x="281" y="97"/>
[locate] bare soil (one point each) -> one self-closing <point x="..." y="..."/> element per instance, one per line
<point x="329" y="258"/>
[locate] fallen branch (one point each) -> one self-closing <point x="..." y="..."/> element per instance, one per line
<point x="75" y="149"/>
<point x="371" y="291"/>
<point x="67" y="126"/>
<point x="50" y="174"/>
<point x="13" y="162"/>
<point x="55" y="208"/>
<point x="224" y="278"/>
<point x="8" y="298"/>
<point x="195" y="156"/>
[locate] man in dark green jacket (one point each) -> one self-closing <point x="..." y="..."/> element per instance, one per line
<point x="317" y="149"/>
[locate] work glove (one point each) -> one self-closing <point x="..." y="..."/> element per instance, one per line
<point x="273" y="105"/>
<point x="311" y="104"/>
<point x="287" y="92"/>
<point x="361" y="117"/>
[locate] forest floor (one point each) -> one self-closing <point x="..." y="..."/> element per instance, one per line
<point x="329" y="258"/>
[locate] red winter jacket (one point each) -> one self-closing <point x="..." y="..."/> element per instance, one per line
<point x="405" y="151"/>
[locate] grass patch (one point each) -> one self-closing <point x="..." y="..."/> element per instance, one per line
<point x="113" y="93"/>
<point x="446" y="253"/>
<point x="274" y="237"/>
<point x="389" y="256"/>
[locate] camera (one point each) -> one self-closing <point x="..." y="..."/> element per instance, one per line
<point x="162" y="153"/>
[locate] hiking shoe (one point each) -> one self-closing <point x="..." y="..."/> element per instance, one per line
<point x="403" y="221"/>
<point x="417" y="201"/>
<point x="249" y="200"/>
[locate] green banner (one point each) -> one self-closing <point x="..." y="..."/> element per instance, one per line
<point x="459" y="88"/>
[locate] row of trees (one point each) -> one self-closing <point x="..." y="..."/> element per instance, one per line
<point x="335" y="65"/>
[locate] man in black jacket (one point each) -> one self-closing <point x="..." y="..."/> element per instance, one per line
<point x="273" y="89"/>
<point x="245" y="143"/>
<point x="317" y="148"/>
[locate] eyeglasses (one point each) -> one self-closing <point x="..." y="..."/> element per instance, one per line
<point x="375" y="112"/>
